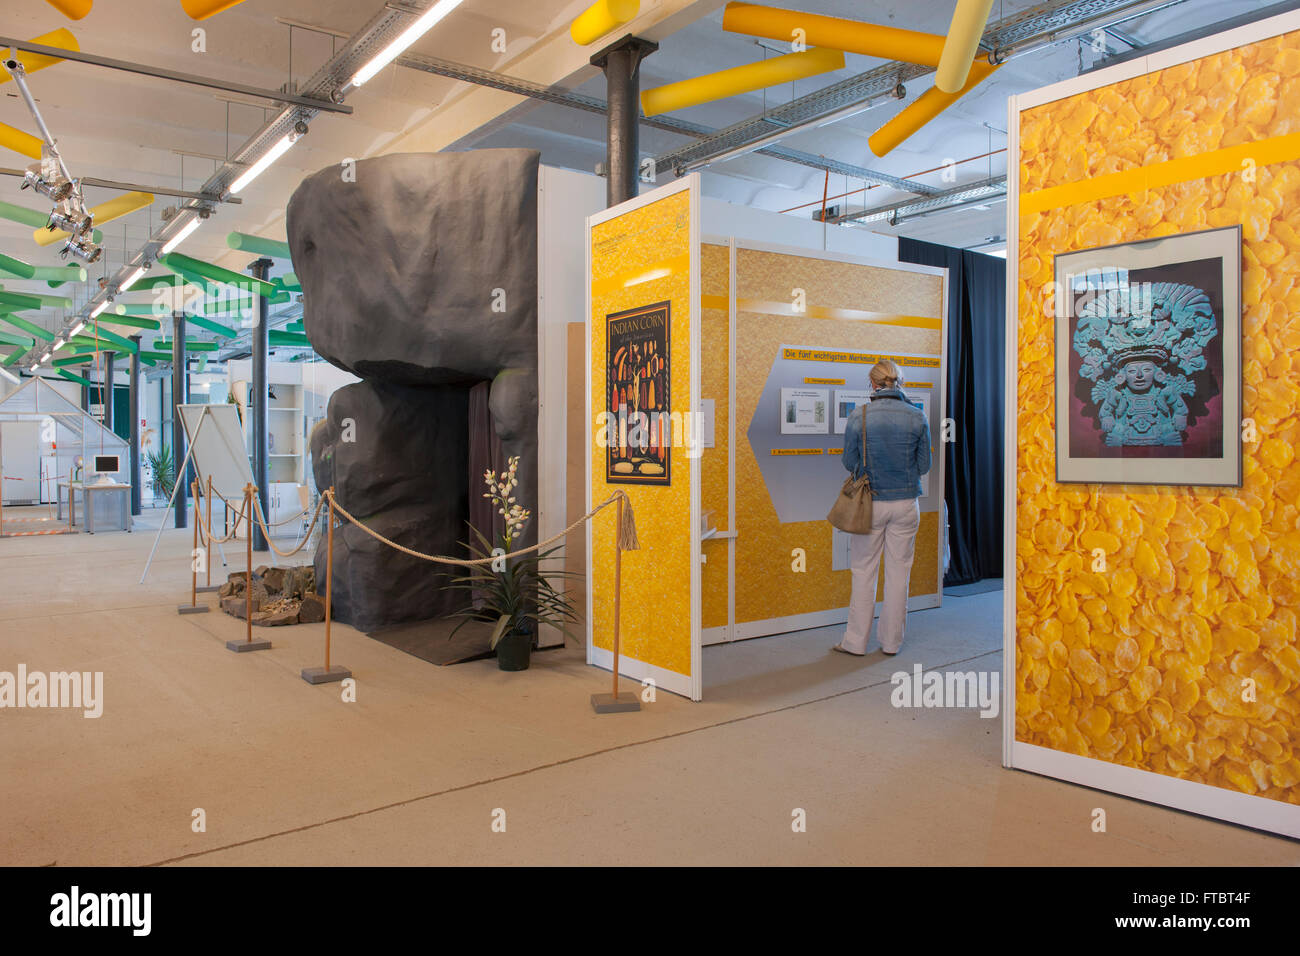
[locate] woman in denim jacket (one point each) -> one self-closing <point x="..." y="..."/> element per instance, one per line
<point x="898" y="454"/>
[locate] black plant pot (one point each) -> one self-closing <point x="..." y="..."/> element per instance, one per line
<point x="514" y="650"/>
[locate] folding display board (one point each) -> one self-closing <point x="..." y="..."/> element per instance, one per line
<point x="216" y="443"/>
<point x="1151" y="643"/>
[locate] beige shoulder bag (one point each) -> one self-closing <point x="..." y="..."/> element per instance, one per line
<point x="852" y="509"/>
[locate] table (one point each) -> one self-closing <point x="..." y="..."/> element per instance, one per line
<point x="89" y="492"/>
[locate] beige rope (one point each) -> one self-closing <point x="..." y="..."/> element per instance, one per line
<point x="626" y="534"/>
<point x="257" y="508"/>
<point x="207" y="531"/>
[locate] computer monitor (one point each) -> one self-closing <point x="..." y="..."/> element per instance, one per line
<point x="105" y="467"/>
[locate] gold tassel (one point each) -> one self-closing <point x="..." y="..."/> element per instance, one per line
<point x="627" y="540"/>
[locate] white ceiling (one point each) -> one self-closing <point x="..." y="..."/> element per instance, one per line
<point x="120" y="126"/>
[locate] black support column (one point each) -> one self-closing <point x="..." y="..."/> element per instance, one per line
<point x="134" y="424"/>
<point x="179" y="396"/>
<point x="621" y="62"/>
<point x="257" y="401"/>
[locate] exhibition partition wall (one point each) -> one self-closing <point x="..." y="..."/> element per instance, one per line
<point x="789" y="336"/>
<point x="1152" y="488"/>
<point x="757" y="353"/>
<point x="643" y="264"/>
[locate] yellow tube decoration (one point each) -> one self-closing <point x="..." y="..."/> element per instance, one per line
<point x="851" y="36"/>
<point x="202" y="9"/>
<point x="926" y="107"/>
<point x="61" y="38"/>
<point x="602" y="17"/>
<point x="20" y="142"/>
<point x="968" y="22"/>
<point x="740" y="79"/>
<point x="115" y="208"/>
<point x="72" y="9"/>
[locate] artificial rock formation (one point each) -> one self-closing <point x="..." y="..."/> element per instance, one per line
<point x="419" y="274"/>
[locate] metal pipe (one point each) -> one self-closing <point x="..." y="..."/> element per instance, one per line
<point x="134" y="441"/>
<point x="257" y="401"/>
<point x="106" y="392"/>
<point x="178" y="430"/>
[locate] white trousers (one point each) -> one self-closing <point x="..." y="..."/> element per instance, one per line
<point x="893" y="532"/>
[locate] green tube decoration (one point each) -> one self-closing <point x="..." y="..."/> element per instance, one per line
<point x="72" y="360"/>
<point x="32" y="327"/>
<point x="78" y="379"/>
<point x="177" y="262"/>
<point x="294" y="326"/>
<point x="106" y="336"/>
<point x="287" y="339"/>
<point x="45" y="301"/>
<point x="289" y="282"/>
<point x="257" y="245"/>
<point x="143" y="311"/>
<point x="226" y="305"/>
<point x="20" y="300"/>
<point x="14" y="357"/>
<point x="55" y="276"/>
<point x="189" y="346"/>
<point x="22" y="341"/>
<point x="131" y="321"/>
<point x="223" y="330"/>
<point x="16" y="267"/>
<point x="21" y="214"/>
<point x="155" y="356"/>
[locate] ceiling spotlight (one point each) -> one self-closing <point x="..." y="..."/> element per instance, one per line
<point x="70" y="218"/>
<point x="57" y="189"/>
<point x="81" y="247"/>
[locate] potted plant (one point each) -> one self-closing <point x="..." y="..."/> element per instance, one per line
<point x="162" y="467"/>
<point x="517" y="592"/>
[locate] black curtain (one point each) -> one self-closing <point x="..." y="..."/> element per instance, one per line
<point x="977" y="299"/>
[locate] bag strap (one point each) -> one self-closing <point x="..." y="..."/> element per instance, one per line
<point x="864" y="443"/>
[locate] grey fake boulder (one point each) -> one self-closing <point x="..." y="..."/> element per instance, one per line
<point x="396" y="458"/>
<point x="423" y="270"/>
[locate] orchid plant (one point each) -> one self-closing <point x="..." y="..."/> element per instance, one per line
<point x="515" y="589"/>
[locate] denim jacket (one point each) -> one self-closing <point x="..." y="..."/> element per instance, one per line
<point x="898" y="445"/>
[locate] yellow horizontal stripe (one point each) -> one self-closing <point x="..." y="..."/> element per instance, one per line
<point x="1230" y="159"/>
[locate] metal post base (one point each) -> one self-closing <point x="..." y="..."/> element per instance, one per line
<point x="242" y="646"/>
<point x="192" y="609"/>
<point x="607" y="704"/>
<point x="319" y="675"/>
<point x="208" y="588"/>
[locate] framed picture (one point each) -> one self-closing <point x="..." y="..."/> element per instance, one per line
<point x="638" y="393"/>
<point x="1148" y="361"/>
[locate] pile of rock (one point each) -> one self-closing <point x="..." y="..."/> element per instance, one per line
<point x="280" y="596"/>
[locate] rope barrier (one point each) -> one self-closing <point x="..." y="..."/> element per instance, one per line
<point x="627" y="539"/>
<point x="257" y="508"/>
<point x="207" y="530"/>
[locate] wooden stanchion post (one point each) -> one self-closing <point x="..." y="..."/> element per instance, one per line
<point x="193" y="607"/>
<point x="323" y="675"/>
<point x="207" y="545"/>
<point x="248" y="644"/>
<point x="615" y="703"/>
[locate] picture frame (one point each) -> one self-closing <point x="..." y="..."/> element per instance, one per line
<point x="638" y="394"/>
<point x="1148" y="361"/>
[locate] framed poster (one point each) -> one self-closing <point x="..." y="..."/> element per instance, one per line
<point x="638" y="392"/>
<point x="804" y="411"/>
<point x="1148" y="361"/>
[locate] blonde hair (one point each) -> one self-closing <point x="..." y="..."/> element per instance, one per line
<point x="886" y="374"/>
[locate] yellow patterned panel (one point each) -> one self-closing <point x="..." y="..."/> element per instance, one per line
<point x="715" y="276"/>
<point x="766" y="584"/>
<point x="641" y="258"/>
<point x="1148" y="664"/>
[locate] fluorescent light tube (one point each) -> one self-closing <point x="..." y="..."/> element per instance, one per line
<point x="399" y="46"/>
<point x="9" y="375"/>
<point x="181" y="236"/>
<point x="76" y="329"/>
<point x="58" y="343"/>
<point x="131" y="280"/>
<point x="274" y="153"/>
<point x="99" y="308"/>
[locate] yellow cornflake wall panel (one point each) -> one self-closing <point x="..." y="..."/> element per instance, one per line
<point x="640" y="258"/>
<point x="1148" y="665"/>
<point x="715" y="275"/>
<point x="908" y="309"/>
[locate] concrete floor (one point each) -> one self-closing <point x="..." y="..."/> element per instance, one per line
<point x="413" y="771"/>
